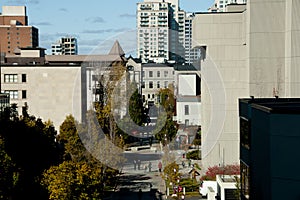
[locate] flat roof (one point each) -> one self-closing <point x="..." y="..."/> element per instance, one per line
<point x="275" y="105"/>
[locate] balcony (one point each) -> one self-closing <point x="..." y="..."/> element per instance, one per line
<point x="144" y="20"/>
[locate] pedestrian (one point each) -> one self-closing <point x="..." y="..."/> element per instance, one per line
<point x="134" y="164"/>
<point x="145" y="168"/>
<point x="159" y="166"/>
<point x="139" y="164"/>
<point x="183" y="164"/>
<point x="150" y="166"/>
<point x="189" y="162"/>
<point x="140" y="194"/>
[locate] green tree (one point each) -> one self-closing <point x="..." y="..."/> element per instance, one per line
<point x="136" y="109"/>
<point x="169" y="130"/>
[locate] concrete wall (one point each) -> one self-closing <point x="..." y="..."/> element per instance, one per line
<point x="255" y="53"/>
<point x="224" y="78"/>
<point x="52" y="92"/>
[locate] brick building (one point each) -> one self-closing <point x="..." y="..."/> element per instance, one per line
<point x="14" y="30"/>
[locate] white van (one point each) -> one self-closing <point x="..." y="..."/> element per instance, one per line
<point x="203" y="188"/>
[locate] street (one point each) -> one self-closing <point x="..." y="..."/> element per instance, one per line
<point x="140" y="184"/>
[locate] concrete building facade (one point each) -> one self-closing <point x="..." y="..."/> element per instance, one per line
<point x="250" y="52"/>
<point x="14" y="30"/>
<point x="154" y="77"/>
<point x="191" y="54"/>
<point x="221" y="5"/>
<point x="54" y="86"/>
<point x="160" y="31"/>
<point x="65" y="46"/>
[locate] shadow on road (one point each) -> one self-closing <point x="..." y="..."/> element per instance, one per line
<point x="135" y="187"/>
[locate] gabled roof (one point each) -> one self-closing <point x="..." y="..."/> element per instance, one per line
<point x="116" y="49"/>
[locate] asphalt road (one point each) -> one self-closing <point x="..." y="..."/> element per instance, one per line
<point x="135" y="184"/>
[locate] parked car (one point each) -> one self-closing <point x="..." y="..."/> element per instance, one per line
<point x="203" y="188"/>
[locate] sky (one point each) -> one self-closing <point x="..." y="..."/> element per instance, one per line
<point x="95" y="23"/>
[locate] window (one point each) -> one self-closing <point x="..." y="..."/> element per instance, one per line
<point x="245" y="180"/>
<point x="165" y="73"/>
<point x="150" y="84"/>
<point x="158" y="73"/>
<point x="143" y="84"/>
<point x="158" y="84"/>
<point x="153" y="96"/>
<point x="187" y="122"/>
<point x="166" y="84"/>
<point x="10" y="78"/>
<point x="144" y="98"/>
<point x="24" y="78"/>
<point x="143" y="73"/>
<point x="245" y="133"/>
<point x="13" y="94"/>
<point x="148" y="96"/>
<point x="24" y="94"/>
<point x="150" y="73"/>
<point x="186" y="110"/>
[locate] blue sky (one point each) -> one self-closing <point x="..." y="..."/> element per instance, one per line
<point x="95" y="23"/>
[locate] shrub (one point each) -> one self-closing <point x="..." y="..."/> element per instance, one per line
<point x="213" y="171"/>
<point x="194" y="155"/>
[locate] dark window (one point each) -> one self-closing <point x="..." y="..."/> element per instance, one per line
<point x="158" y="73"/>
<point x="150" y="84"/>
<point x="245" y="181"/>
<point x="143" y="84"/>
<point x="24" y="78"/>
<point x="186" y="110"/>
<point x="150" y="73"/>
<point x="245" y="132"/>
<point x="24" y="94"/>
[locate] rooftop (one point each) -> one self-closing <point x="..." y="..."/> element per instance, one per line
<point x="275" y="105"/>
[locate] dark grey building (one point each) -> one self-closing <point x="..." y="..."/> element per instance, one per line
<point x="269" y="154"/>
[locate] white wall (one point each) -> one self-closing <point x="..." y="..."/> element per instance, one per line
<point x="194" y="116"/>
<point x="187" y="84"/>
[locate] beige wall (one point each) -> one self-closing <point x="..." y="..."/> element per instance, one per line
<point x="223" y="36"/>
<point x="256" y="52"/>
<point x="52" y="92"/>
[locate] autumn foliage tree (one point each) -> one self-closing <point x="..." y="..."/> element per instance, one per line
<point x="79" y="175"/>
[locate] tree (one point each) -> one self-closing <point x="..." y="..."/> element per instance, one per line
<point x="80" y="175"/>
<point x="28" y="149"/>
<point x="169" y="129"/>
<point x="7" y="177"/>
<point x="136" y="109"/>
<point x="171" y="173"/>
<point x="73" y="180"/>
<point x="111" y="87"/>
